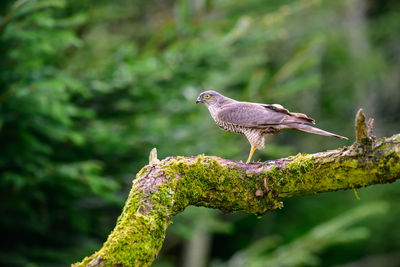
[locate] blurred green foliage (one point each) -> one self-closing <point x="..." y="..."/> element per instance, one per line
<point x="87" y="88"/>
<point x="303" y="250"/>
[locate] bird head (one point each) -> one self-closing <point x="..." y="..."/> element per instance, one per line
<point x="209" y="98"/>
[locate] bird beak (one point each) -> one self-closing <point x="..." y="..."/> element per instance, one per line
<point x="198" y="100"/>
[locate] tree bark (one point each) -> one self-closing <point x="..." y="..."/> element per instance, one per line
<point x="164" y="188"/>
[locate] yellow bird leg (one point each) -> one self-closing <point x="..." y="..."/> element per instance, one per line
<point x="253" y="148"/>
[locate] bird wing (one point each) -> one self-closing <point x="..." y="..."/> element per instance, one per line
<point x="259" y="115"/>
<point x="292" y="116"/>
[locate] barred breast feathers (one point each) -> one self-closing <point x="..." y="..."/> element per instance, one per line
<point x="255" y="137"/>
<point x="229" y="127"/>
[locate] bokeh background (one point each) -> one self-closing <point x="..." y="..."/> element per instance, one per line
<point x="88" y="88"/>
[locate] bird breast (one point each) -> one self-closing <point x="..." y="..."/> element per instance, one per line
<point x="229" y="127"/>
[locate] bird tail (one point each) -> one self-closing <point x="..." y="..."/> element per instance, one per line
<point x="314" y="130"/>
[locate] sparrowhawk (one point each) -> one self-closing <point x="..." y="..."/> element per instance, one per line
<point x="253" y="120"/>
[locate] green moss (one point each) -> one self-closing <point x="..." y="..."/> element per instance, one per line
<point x="143" y="172"/>
<point x="205" y="182"/>
<point x="305" y="175"/>
<point x="137" y="237"/>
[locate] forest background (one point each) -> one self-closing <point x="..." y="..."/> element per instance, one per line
<point x="88" y="88"/>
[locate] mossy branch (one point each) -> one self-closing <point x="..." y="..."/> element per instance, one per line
<point x="164" y="188"/>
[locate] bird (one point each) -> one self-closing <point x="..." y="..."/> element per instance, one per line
<point x="254" y="120"/>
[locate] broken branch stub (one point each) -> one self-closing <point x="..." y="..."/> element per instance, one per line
<point x="363" y="129"/>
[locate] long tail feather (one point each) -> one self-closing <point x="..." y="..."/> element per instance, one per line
<point x="314" y="130"/>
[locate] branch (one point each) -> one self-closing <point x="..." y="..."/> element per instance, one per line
<point x="7" y="19"/>
<point x="16" y="13"/>
<point x="164" y="188"/>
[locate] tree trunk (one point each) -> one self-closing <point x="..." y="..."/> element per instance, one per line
<point x="164" y="188"/>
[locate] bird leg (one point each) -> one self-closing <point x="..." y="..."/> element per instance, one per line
<point x="253" y="148"/>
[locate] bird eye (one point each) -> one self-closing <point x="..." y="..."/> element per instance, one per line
<point x="207" y="96"/>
